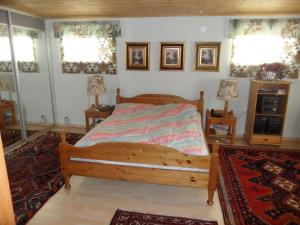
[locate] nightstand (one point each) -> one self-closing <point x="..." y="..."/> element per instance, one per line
<point x="229" y="121"/>
<point x="100" y="112"/>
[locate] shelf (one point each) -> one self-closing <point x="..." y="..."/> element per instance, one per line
<point x="271" y="94"/>
<point x="268" y="114"/>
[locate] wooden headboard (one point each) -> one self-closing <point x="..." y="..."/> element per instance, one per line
<point x="160" y="99"/>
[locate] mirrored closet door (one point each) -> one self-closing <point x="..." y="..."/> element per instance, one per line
<point x="33" y="71"/>
<point x="25" y="107"/>
<point x="9" y="109"/>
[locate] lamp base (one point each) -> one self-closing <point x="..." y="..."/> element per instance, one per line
<point x="96" y="100"/>
<point x="225" y="113"/>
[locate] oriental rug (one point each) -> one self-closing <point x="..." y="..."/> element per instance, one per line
<point x="11" y="136"/>
<point x="34" y="174"/>
<point x="130" y="218"/>
<point x="259" y="186"/>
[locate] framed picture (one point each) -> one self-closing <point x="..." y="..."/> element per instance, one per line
<point x="137" y="56"/>
<point x="171" y="56"/>
<point x="207" y="56"/>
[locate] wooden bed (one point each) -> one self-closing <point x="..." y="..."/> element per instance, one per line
<point x="144" y="154"/>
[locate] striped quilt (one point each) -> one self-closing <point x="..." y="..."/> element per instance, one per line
<point x="173" y="125"/>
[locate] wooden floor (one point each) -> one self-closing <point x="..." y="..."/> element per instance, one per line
<point x="94" y="201"/>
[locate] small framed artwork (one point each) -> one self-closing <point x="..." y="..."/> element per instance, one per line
<point x="171" y="56"/>
<point x="207" y="56"/>
<point x="137" y="56"/>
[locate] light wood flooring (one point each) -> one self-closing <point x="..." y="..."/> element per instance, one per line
<point x="94" y="201"/>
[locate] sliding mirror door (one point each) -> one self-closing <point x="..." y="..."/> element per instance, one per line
<point x="9" y="113"/>
<point x="31" y="53"/>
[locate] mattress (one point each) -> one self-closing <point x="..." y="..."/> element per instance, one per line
<point x="174" y="125"/>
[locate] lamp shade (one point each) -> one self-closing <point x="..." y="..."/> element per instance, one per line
<point x="228" y="89"/>
<point x="96" y="86"/>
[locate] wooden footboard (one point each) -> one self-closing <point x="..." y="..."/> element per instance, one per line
<point x="108" y="153"/>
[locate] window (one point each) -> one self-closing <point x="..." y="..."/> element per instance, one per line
<point x="24" y="44"/>
<point x="88" y="47"/>
<point x="260" y="42"/>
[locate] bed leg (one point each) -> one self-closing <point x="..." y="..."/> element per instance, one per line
<point x="67" y="182"/>
<point x="213" y="173"/>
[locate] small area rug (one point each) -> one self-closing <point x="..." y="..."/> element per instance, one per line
<point x="259" y="186"/>
<point x="34" y="174"/>
<point x="134" y="218"/>
<point x="11" y="136"/>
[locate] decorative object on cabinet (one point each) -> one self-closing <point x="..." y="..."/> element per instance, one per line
<point x="266" y="111"/>
<point x="96" y="87"/>
<point x="227" y="91"/>
<point x="207" y="56"/>
<point x="171" y="56"/>
<point x="100" y="112"/>
<point x="222" y="128"/>
<point x="7" y="113"/>
<point x="137" y="56"/>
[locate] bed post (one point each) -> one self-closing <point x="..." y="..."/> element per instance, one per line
<point x="64" y="159"/>
<point x="213" y="172"/>
<point x="201" y="104"/>
<point x="118" y="98"/>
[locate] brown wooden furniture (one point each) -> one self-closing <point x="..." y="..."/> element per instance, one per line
<point x="7" y="216"/>
<point x="266" y="111"/>
<point x="228" y="120"/>
<point x="7" y="106"/>
<point x="142" y="153"/>
<point x="100" y="112"/>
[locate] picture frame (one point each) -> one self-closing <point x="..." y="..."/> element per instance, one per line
<point x="137" y="55"/>
<point x="172" y="55"/>
<point x="207" y="56"/>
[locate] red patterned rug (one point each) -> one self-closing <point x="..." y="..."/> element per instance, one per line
<point x="259" y="186"/>
<point x="34" y="174"/>
<point x="11" y="136"/>
<point x="134" y="218"/>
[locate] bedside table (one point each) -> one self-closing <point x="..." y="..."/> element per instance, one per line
<point x="100" y="112"/>
<point x="229" y="121"/>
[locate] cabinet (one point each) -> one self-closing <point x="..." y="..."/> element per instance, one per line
<point x="100" y="112"/>
<point x="229" y="120"/>
<point x="266" y="111"/>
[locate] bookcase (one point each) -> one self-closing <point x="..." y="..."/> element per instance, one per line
<point x="266" y="111"/>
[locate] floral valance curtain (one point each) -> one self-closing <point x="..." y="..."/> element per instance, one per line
<point x="3" y="30"/>
<point x="287" y="29"/>
<point x="23" y="66"/>
<point x="104" y="31"/>
<point x="99" y="29"/>
<point x="19" y="31"/>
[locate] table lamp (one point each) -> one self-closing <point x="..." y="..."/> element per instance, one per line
<point x="227" y="91"/>
<point x="96" y="87"/>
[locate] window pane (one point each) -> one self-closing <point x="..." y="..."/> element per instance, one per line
<point x="5" y="49"/>
<point x="23" y="46"/>
<point x="80" y="49"/>
<point x="256" y="50"/>
<point x="24" y="49"/>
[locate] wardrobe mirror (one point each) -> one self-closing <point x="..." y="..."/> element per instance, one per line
<point x="9" y="113"/>
<point x="31" y="52"/>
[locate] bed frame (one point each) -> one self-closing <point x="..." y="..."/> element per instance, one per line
<point x="142" y="153"/>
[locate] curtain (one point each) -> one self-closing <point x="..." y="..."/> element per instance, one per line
<point x="287" y="29"/>
<point x="104" y="31"/>
<point x="23" y="66"/>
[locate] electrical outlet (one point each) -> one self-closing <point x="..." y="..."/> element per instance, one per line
<point x="43" y="119"/>
<point x="67" y="120"/>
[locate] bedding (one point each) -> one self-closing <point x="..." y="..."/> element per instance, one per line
<point x="174" y="125"/>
